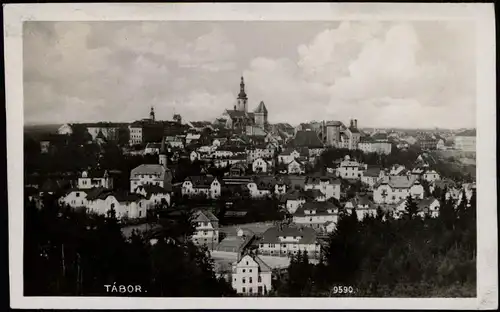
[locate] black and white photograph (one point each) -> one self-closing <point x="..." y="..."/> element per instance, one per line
<point x="225" y="151"/>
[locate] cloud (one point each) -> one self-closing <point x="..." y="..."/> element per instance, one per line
<point x="382" y="73"/>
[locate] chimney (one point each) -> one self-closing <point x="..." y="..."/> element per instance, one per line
<point x="355" y="123"/>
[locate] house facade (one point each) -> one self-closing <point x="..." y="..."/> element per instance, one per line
<point x="316" y="214"/>
<point x="392" y="189"/>
<point x="95" y="178"/>
<point x="197" y="185"/>
<point x="251" y="276"/>
<point x="326" y="184"/>
<point x="349" y="169"/>
<point x="206" y="229"/>
<point x="287" y="240"/>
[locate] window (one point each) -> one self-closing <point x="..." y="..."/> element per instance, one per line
<point x="247" y="262"/>
<point x="250" y="289"/>
<point x="250" y="270"/>
<point x="259" y="289"/>
<point x="250" y="281"/>
<point x="243" y="280"/>
<point x="140" y="213"/>
<point x="243" y="289"/>
<point x="244" y="270"/>
<point x="259" y="279"/>
<point x="77" y="194"/>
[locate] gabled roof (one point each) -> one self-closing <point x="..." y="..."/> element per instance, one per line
<point x="261" y="108"/>
<point x="204" y="216"/>
<point x="397" y="182"/>
<point x="362" y="201"/>
<point x="156" y="169"/>
<point x="320" y="208"/>
<point x="152" y="189"/>
<point x="203" y="181"/>
<point x="307" y="235"/>
<point x="263" y="267"/>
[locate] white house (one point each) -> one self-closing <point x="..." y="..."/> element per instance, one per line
<point x="431" y="176"/>
<point x="428" y="206"/>
<point x="192" y="137"/>
<point x="296" y="167"/>
<point x="155" y="195"/>
<point x="65" y="129"/>
<point x="349" y="169"/>
<point x="196" y="185"/>
<point x="287" y="240"/>
<point x="293" y="199"/>
<point x="125" y="205"/>
<point x="251" y="276"/>
<point x="371" y="176"/>
<point x="152" y="149"/>
<point x="288" y="155"/>
<point x="150" y="174"/>
<point x="206" y="229"/>
<point x="391" y="189"/>
<point x="261" y="165"/>
<point x="76" y="198"/>
<point x="396" y="170"/>
<point x="362" y="205"/>
<point x="194" y="155"/>
<point x="328" y="185"/>
<point x="316" y="214"/>
<point x="95" y="178"/>
<point x="260" y="152"/>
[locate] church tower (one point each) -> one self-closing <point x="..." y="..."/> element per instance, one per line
<point x="260" y="114"/>
<point x="242" y="98"/>
<point x="152" y="114"/>
<point x="163" y="154"/>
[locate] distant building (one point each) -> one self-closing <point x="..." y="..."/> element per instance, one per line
<point x="152" y="149"/>
<point x="328" y="185"/>
<point x="362" y="205"/>
<point x="125" y="205"/>
<point x="391" y="189"/>
<point x="372" y="175"/>
<point x="296" y="167"/>
<point x="261" y="165"/>
<point x="285" y="241"/>
<point x="206" y="229"/>
<point x="197" y="185"/>
<point x="466" y="141"/>
<point x="376" y="143"/>
<point x="350" y="169"/>
<point x="152" y="174"/>
<point x="251" y="276"/>
<point x="239" y="118"/>
<point x="95" y="178"/>
<point x="316" y="214"/>
<point x="65" y="129"/>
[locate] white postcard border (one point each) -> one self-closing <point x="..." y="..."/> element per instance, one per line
<point x="483" y="14"/>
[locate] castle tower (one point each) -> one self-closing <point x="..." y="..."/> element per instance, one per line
<point x="152" y="114"/>
<point x="162" y="158"/>
<point x="242" y="98"/>
<point x="260" y="114"/>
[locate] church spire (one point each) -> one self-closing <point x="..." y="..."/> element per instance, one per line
<point x="242" y="94"/>
<point x="152" y="114"/>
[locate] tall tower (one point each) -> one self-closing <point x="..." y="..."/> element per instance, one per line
<point x="152" y="114"/>
<point x="260" y="114"/>
<point x="163" y="154"/>
<point x="242" y="98"/>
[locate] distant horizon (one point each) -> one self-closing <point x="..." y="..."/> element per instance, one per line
<point x="272" y="123"/>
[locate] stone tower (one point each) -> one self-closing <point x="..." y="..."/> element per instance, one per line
<point x="242" y="98"/>
<point x="260" y="114"/>
<point x="163" y="154"/>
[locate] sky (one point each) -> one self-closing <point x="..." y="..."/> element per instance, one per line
<point x="419" y="74"/>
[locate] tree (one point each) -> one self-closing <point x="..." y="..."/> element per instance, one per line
<point x="411" y="208"/>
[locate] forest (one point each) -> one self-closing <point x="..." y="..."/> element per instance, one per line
<point x="381" y="256"/>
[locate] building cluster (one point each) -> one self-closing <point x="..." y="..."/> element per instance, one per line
<point x="262" y="161"/>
